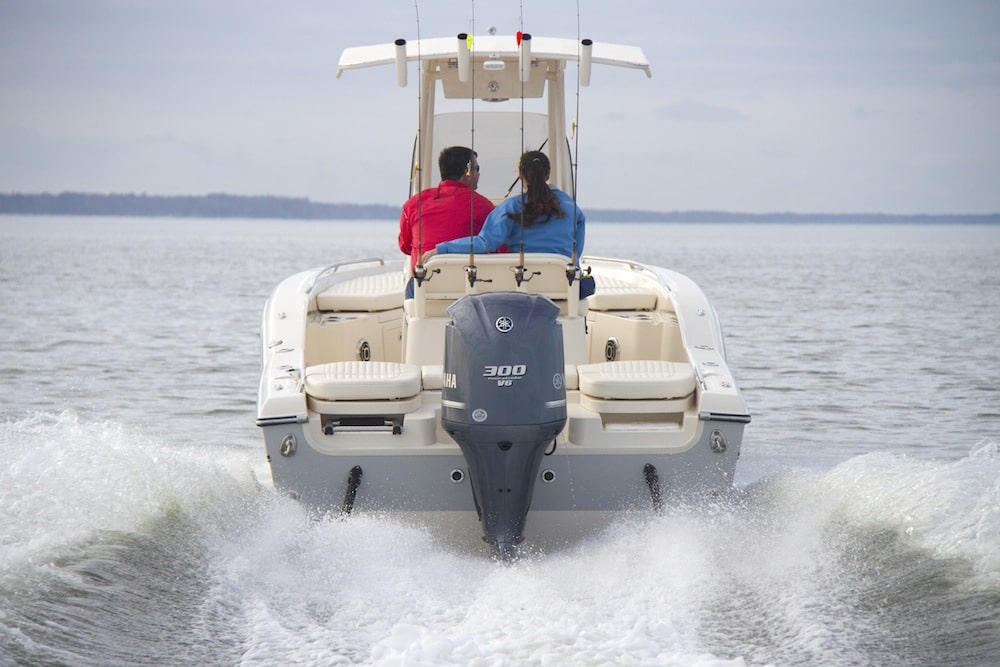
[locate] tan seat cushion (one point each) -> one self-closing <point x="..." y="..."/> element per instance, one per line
<point x="374" y="293"/>
<point x="362" y="381"/>
<point x="637" y="379"/>
<point x="612" y="294"/>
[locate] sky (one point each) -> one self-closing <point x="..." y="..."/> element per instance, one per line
<point x="805" y="106"/>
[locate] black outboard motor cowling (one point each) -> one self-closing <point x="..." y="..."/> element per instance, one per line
<point x="503" y="400"/>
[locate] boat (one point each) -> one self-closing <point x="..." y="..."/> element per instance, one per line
<point x="496" y="401"/>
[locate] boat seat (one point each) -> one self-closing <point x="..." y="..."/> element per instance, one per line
<point x="448" y="281"/>
<point x="362" y="394"/>
<point x="371" y="293"/>
<point x="635" y="386"/>
<point x="362" y="380"/>
<point x="614" y="294"/>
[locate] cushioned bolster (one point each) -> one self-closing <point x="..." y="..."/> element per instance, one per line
<point x="362" y="381"/>
<point x="612" y="294"/>
<point x="638" y="379"/>
<point x="431" y="376"/>
<point x="381" y="291"/>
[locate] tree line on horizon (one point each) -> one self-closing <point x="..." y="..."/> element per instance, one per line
<point x="292" y="208"/>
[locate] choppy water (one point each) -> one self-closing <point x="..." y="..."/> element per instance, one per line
<point x="137" y="525"/>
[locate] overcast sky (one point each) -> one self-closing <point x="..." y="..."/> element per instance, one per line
<point x="785" y="105"/>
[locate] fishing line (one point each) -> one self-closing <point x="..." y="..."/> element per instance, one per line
<point x="520" y="36"/>
<point x="419" y="271"/>
<point x="519" y="270"/>
<point x="574" y="166"/>
<point x="470" y="44"/>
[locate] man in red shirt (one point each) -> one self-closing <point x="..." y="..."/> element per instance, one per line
<point x="444" y="212"/>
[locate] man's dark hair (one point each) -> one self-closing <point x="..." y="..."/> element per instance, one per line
<point x="454" y="161"/>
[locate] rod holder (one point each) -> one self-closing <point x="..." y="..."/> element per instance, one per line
<point x="525" y="57"/>
<point x="586" y="48"/>
<point x="401" y="62"/>
<point x="464" y="49"/>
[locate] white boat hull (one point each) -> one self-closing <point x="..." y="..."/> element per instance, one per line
<point x="614" y="457"/>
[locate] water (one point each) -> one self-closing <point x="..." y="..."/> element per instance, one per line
<point x="137" y="525"/>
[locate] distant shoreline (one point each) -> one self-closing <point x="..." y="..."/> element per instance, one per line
<point x="290" y="208"/>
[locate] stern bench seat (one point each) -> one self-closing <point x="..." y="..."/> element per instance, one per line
<point x="372" y="293"/>
<point x="363" y="393"/>
<point x="613" y="293"/>
<point x="636" y="386"/>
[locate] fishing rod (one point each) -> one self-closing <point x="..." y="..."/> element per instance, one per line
<point x="470" y="269"/>
<point x="523" y="41"/>
<point x="419" y="270"/>
<point x="575" y="164"/>
<point x="572" y="269"/>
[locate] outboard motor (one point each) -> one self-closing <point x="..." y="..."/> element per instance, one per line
<point x="503" y="400"/>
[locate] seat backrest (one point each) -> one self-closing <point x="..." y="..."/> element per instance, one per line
<point x="448" y="279"/>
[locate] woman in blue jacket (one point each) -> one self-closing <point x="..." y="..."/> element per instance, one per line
<point x="542" y="219"/>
